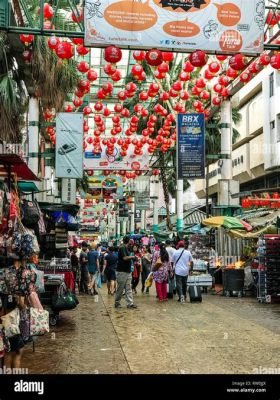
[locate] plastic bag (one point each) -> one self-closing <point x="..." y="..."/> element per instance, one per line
<point x="149" y="280"/>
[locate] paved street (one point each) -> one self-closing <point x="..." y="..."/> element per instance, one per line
<point x="221" y="335"/>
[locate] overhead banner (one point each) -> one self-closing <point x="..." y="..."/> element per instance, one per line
<point x="69" y="145"/>
<point x="180" y="25"/>
<point x="190" y="146"/>
<point x="142" y="193"/>
<point x="102" y="187"/>
<point x="116" y="162"/>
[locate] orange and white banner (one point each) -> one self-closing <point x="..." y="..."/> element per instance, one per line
<point x="181" y="25"/>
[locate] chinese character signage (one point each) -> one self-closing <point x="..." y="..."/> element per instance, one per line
<point x="181" y="25"/>
<point x="69" y="145"/>
<point x="190" y="146"/>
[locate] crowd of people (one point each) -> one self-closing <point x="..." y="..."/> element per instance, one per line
<point x="124" y="266"/>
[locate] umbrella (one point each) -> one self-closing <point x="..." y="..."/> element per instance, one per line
<point x="227" y="222"/>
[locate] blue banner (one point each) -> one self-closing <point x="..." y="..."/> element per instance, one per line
<point x="190" y="146"/>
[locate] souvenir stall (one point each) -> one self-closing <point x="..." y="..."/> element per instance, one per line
<point x="22" y="316"/>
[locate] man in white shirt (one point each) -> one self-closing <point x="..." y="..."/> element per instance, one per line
<point x="170" y="250"/>
<point x="182" y="263"/>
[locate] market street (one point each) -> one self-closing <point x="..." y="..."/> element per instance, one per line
<point x="221" y="335"/>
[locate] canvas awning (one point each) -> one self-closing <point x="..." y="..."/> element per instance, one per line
<point x="13" y="164"/>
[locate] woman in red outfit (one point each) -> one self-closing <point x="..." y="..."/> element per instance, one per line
<point x="161" y="268"/>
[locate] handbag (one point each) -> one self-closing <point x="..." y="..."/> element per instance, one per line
<point x="10" y="323"/>
<point x="158" y="264"/>
<point x="39" y="322"/>
<point x="24" y="325"/>
<point x="149" y="280"/>
<point x="64" y="300"/>
<point x="99" y="282"/>
<point x="30" y="212"/>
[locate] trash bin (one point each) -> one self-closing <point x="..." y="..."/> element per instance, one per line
<point x="233" y="281"/>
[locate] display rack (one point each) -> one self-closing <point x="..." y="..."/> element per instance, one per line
<point x="269" y="269"/>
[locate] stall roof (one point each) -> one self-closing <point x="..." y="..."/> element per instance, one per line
<point x="18" y="166"/>
<point x="69" y="208"/>
<point x="27" y="187"/>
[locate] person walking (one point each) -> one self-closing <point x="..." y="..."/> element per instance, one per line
<point x="161" y="268"/>
<point x="110" y="266"/>
<point x="84" y="269"/>
<point x="146" y="267"/>
<point x="137" y="268"/>
<point x="170" y="250"/>
<point x="124" y="275"/>
<point x="182" y="262"/>
<point x="93" y="268"/>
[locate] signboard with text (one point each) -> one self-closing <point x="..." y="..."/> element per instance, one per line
<point x="180" y="25"/>
<point x="190" y="146"/>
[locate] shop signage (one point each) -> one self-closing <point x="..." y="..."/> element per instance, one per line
<point x="190" y="146"/>
<point x="102" y="187"/>
<point x="115" y="162"/>
<point x="69" y="145"/>
<point x="180" y="25"/>
<point x="123" y="208"/>
<point x="137" y="215"/>
<point x="68" y="191"/>
<point x="141" y="189"/>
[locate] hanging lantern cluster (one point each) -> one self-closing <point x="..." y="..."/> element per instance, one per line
<point x="261" y="202"/>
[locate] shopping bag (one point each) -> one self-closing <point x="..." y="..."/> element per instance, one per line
<point x="99" y="282"/>
<point x="149" y="280"/>
<point x="24" y="325"/>
<point x="39" y="322"/>
<point x="10" y="323"/>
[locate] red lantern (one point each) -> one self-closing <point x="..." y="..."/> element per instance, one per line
<point x="204" y="95"/>
<point x="154" y="57"/>
<point x="200" y="83"/>
<point x="254" y="68"/>
<point x="64" y="50"/>
<point x="77" y="102"/>
<point x="245" y="77"/>
<point x="78" y="41"/>
<point x="47" y="11"/>
<point x="245" y="203"/>
<point x="137" y="69"/>
<point x="109" y="69"/>
<point x="164" y="96"/>
<point x="238" y="62"/>
<point x="92" y="75"/>
<point x="159" y="75"/>
<point x="26" y="38"/>
<point x="143" y="96"/>
<point x="221" y="58"/>
<point x="225" y="92"/>
<point x="112" y="54"/>
<point x="163" y="68"/>
<point x="116" y="76"/>
<point x="68" y="108"/>
<point x="98" y="106"/>
<point x="217" y="88"/>
<point x="177" y="86"/>
<point x="139" y="55"/>
<point x="77" y="16"/>
<point x="214" y="67"/>
<point x="167" y="56"/>
<point x="53" y="42"/>
<point x="231" y="73"/>
<point x="184" y="95"/>
<point x="198" y="58"/>
<point x="264" y="59"/>
<point x="155" y="172"/>
<point x="275" y="61"/>
<point x="107" y="88"/>
<point x="208" y="75"/>
<point x="87" y="110"/>
<point x="224" y="80"/>
<point x="83" y="66"/>
<point x="106" y="112"/>
<point x="184" y="76"/>
<point x="187" y="67"/>
<point x="121" y="95"/>
<point x="216" y="101"/>
<point x="82" y="51"/>
<point x="275" y="196"/>
<point x="271" y="18"/>
<point x="118" y="108"/>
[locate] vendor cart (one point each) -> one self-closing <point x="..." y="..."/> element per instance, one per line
<point x="233" y="282"/>
<point x="53" y="284"/>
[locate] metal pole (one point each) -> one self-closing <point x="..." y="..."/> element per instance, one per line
<point x="33" y="134"/>
<point x="155" y="205"/>
<point x="207" y="191"/>
<point x="132" y="215"/>
<point x="226" y="148"/>
<point x="180" y="209"/>
<point x="143" y="220"/>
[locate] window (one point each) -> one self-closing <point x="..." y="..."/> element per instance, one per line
<point x="272" y="124"/>
<point x="271" y="84"/>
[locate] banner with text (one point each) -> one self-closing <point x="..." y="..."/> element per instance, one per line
<point x="69" y="145"/>
<point x="190" y="146"/>
<point x="180" y="25"/>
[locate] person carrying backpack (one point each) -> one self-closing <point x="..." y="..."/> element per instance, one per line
<point x="182" y="263"/>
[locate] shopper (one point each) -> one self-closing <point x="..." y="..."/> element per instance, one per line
<point x="84" y="269"/>
<point x="137" y="268"/>
<point x="146" y="267"/>
<point x="110" y="266"/>
<point x="170" y="250"/>
<point x="182" y="262"/>
<point x="75" y="263"/>
<point x="161" y="268"/>
<point x="124" y="275"/>
<point x="93" y="268"/>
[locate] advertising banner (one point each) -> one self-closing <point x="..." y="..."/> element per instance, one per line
<point x="116" y="162"/>
<point x="68" y="191"/>
<point x="190" y="146"/>
<point x="137" y="215"/>
<point x="102" y="187"/>
<point x="180" y="25"/>
<point x="69" y="145"/>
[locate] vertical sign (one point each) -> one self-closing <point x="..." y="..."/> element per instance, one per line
<point x="137" y="215"/>
<point x="190" y="146"/>
<point x="69" y="145"/>
<point x="68" y="191"/>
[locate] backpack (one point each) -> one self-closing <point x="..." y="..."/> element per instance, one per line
<point x="31" y="213"/>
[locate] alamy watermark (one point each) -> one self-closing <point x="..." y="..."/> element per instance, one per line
<point x="26" y="386"/>
<point x="11" y="371"/>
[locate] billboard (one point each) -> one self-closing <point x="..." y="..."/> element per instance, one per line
<point x="69" y="145"/>
<point x="190" y="146"/>
<point x="180" y="25"/>
<point x="116" y="162"/>
<point x="142" y="192"/>
<point x="102" y="187"/>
